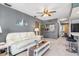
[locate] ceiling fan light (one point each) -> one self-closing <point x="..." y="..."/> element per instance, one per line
<point x="45" y="15"/>
<point x="46" y="12"/>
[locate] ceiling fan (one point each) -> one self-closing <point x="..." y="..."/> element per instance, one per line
<point x="46" y="12"/>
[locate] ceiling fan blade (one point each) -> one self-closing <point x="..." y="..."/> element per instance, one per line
<point x="49" y="14"/>
<point x="42" y="15"/>
<point x="52" y="11"/>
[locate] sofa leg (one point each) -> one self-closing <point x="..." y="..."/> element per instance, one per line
<point x="8" y="51"/>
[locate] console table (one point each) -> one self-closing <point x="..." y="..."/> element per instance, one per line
<point x="3" y="47"/>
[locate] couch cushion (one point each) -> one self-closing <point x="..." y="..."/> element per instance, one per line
<point x="14" y="37"/>
<point x="22" y="43"/>
<point x="20" y="46"/>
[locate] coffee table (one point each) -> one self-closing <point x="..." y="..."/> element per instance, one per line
<point x="39" y="49"/>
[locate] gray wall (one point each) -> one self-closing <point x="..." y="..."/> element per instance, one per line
<point x="8" y="19"/>
<point x="52" y="34"/>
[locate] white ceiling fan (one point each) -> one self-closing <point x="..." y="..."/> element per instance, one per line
<point x="46" y="12"/>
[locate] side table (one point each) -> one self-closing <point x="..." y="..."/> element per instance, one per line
<point x="3" y="47"/>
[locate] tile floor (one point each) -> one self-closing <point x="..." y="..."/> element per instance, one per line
<point x="58" y="48"/>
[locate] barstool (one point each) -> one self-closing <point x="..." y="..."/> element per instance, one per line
<point x="72" y="44"/>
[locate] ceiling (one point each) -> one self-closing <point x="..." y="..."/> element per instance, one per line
<point x="75" y="13"/>
<point x="62" y="9"/>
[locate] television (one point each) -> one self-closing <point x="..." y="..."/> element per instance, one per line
<point x="75" y="27"/>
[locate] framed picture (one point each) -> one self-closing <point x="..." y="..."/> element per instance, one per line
<point x="51" y="27"/>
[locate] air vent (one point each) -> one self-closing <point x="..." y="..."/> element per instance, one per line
<point x="7" y="4"/>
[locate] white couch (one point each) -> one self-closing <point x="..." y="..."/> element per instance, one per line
<point x="19" y="41"/>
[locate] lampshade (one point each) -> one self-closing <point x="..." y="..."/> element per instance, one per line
<point x="36" y="29"/>
<point x="0" y="29"/>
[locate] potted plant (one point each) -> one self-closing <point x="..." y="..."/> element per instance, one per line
<point x="42" y="28"/>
